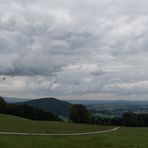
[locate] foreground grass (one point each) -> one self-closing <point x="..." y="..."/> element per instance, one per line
<point x="16" y="124"/>
<point x="122" y="138"/>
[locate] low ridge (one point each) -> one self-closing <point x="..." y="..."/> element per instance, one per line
<point x="53" y="105"/>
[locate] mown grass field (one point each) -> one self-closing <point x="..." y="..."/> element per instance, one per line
<point x="17" y="124"/>
<point x="122" y="138"/>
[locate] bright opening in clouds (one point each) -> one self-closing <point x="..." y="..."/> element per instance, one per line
<point x="70" y="49"/>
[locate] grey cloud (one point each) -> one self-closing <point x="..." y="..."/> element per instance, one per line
<point x="41" y="40"/>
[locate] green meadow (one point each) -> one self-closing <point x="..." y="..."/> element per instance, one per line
<point x="122" y="138"/>
<point x="16" y="124"/>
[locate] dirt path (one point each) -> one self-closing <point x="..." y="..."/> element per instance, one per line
<point x="66" y="134"/>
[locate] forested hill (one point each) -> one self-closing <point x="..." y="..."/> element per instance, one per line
<point x="26" y="111"/>
<point x="53" y="105"/>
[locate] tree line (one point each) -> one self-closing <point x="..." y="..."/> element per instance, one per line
<point x="80" y="114"/>
<point x="26" y="111"/>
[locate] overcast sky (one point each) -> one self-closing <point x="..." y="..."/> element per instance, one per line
<point x="74" y="49"/>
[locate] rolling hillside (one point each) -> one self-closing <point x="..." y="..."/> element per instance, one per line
<point x="55" y="106"/>
<point x="122" y="138"/>
<point x="10" y="123"/>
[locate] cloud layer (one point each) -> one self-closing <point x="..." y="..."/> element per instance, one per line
<point x="74" y="49"/>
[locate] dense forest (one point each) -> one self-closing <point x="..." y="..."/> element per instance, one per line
<point x="25" y="111"/>
<point x="50" y="104"/>
<point x="129" y="119"/>
<point x="80" y="114"/>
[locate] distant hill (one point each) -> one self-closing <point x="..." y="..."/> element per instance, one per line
<point x="108" y="102"/>
<point x="26" y="111"/>
<point x="15" y="100"/>
<point x="55" y="106"/>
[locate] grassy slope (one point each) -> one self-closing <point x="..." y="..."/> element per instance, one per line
<point x="16" y="124"/>
<point x="123" y="138"/>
